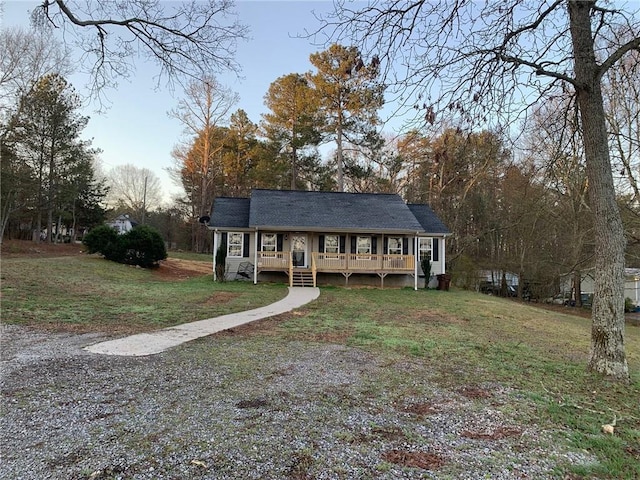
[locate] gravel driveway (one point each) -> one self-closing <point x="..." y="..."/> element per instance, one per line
<point x="237" y="407"/>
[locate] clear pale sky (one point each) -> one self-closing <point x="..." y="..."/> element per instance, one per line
<point x="136" y="129"/>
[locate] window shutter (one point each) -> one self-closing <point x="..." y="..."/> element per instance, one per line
<point x="259" y="241"/>
<point x="343" y="241"/>
<point x="245" y="245"/>
<point x="224" y="238"/>
<point x="279" y="242"/>
<point x="321" y="243"/>
<point x="434" y="249"/>
<point x="374" y="245"/>
<point x="385" y="245"/>
<point x="405" y="246"/>
<point x="353" y="244"/>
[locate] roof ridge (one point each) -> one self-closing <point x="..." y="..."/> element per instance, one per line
<point x="323" y="192"/>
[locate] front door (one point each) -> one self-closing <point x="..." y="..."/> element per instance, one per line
<point x="299" y="250"/>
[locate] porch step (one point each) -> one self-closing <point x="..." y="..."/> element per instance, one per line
<point x="302" y="279"/>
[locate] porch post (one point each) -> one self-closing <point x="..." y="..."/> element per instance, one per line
<point x="255" y="258"/>
<point x="415" y="262"/>
<point x="443" y="268"/>
<point x="215" y="249"/>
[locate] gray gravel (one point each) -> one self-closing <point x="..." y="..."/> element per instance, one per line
<point x="236" y="407"/>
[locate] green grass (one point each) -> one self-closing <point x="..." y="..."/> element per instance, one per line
<point x="198" y="257"/>
<point x="463" y="338"/>
<point x="90" y="293"/>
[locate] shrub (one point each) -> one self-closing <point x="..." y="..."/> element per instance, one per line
<point x="99" y="238"/>
<point x="221" y="260"/>
<point x="425" y="263"/>
<point x="142" y="246"/>
<point x="629" y="306"/>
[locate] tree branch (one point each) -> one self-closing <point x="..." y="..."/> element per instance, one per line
<point x="633" y="44"/>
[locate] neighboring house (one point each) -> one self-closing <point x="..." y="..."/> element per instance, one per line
<point x="631" y="284"/>
<point x="311" y="238"/>
<point x="587" y="284"/>
<point x="122" y="223"/>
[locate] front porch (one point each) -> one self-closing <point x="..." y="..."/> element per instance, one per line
<point x="346" y="264"/>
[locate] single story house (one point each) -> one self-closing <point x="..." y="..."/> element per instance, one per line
<point x="311" y="238"/>
<point x="122" y="223"/>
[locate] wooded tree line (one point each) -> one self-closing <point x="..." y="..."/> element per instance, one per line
<point x="522" y="208"/>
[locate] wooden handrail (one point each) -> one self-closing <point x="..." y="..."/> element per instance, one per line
<point x="360" y="262"/>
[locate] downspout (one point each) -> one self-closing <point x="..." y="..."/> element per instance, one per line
<point x="255" y="258"/>
<point x="443" y="268"/>
<point x="415" y="262"/>
<point x="215" y="250"/>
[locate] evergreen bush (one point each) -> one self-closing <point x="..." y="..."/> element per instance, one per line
<point x="425" y="263"/>
<point x="143" y="246"/>
<point x="221" y="261"/>
<point x="99" y="238"/>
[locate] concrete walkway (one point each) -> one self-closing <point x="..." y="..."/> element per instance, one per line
<point x="156" y="342"/>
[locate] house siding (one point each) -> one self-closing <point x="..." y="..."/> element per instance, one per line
<point x="314" y="243"/>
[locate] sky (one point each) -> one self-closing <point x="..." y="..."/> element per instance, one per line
<point x="136" y="128"/>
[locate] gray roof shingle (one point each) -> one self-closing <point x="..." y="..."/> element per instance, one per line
<point x="330" y="210"/>
<point x="230" y="213"/>
<point x="428" y="219"/>
<point x="324" y="211"/>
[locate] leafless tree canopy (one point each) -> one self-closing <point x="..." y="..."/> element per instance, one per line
<point x="481" y="62"/>
<point x="186" y="39"/>
<point x="26" y="57"/>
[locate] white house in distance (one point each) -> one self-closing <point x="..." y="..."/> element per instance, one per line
<point x="122" y="223"/>
<point x="587" y="284"/>
<point x="312" y="238"/>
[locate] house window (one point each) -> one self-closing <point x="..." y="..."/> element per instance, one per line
<point x="425" y="248"/>
<point x="234" y="244"/>
<point x="332" y="244"/>
<point x="394" y="246"/>
<point x="269" y="242"/>
<point x="364" y="245"/>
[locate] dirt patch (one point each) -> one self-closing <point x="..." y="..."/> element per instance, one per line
<point x="25" y="248"/>
<point x="177" y="269"/>
<point x="473" y="392"/>
<point x="420" y="409"/>
<point x="221" y="297"/>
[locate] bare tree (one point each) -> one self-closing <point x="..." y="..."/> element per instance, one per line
<point x="186" y="39"/>
<point x="622" y="99"/>
<point x="485" y="61"/>
<point x="26" y="57"/>
<point x="205" y="107"/>
<point x="137" y="190"/>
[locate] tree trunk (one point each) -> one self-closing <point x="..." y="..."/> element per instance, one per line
<point x="340" y="156"/>
<point x="607" y="332"/>
<point x="294" y="165"/>
<point x="577" y="287"/>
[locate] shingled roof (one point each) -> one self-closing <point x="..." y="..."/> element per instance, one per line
<point x="230" y="213"/>
<point x="323" y="211"/>
<point x="428" y="219"/>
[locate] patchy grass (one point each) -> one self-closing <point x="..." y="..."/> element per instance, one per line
<point x="469" y="339"/>
<point x="468" y="342"/>
<point x="195" y="257"/>
<point x="87" y="293"/>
